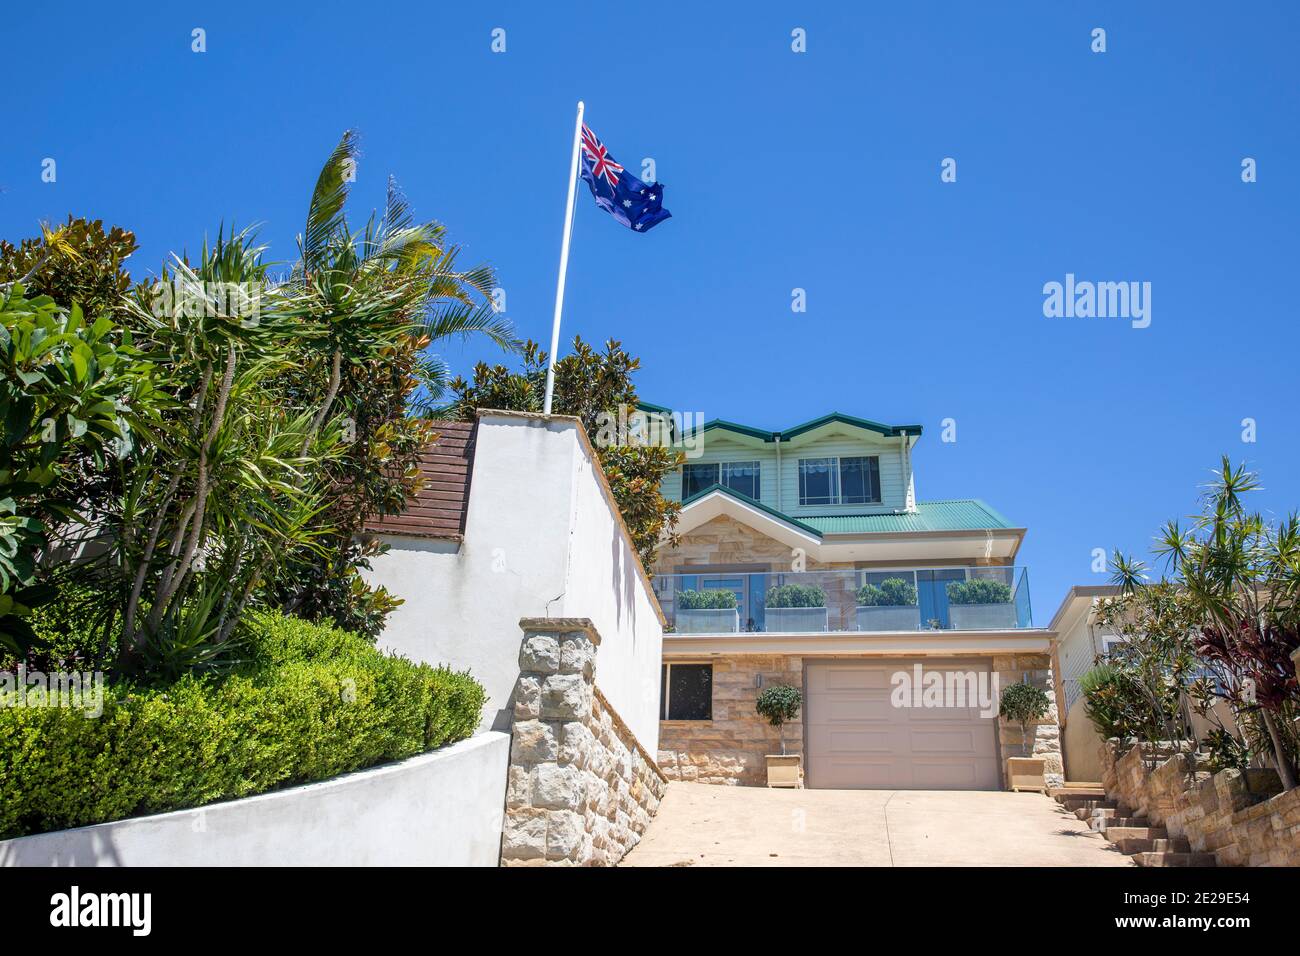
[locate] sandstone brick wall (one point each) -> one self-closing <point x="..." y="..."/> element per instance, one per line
<point x="1239" y="816"/>
<point x="730" y="748"/>
<point x="726" y="541"/>
<point x="1044" y="739"/>
<point x="581" y="789"/>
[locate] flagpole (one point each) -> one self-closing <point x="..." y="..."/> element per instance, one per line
<point x="564" y="261"/>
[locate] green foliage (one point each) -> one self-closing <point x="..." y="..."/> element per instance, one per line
<point x="592" y="386"/>
<point x="778" y="703"/>
<point x="796" y="595"/>
<point x="68" y="387"/>
<point x="308" y="703"/>
<point x="1230" y="606"/>
<point x="77" y="263"/>
<point x="979" y="591"/>
<point x="892" y="592"/>
<point x="1023" y="703"/>
<point x="707" y="598"/>
<point x="1110" y="700"/>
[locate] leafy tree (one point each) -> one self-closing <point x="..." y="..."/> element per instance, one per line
<point x="385" y="297"/>
<point x="1238" y="576"/>
<point x="67" y="387"/>
<point x="778" y="704"/>
<point x="1023" y="703"/>
<point x="591" y="386"/>
<point x="77" y="263"/>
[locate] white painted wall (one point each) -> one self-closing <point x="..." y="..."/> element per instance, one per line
<point x="438" y="809"/>
<point x="541" y="539"/>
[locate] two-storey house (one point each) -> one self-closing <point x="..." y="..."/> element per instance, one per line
<point x="805" y="558"/>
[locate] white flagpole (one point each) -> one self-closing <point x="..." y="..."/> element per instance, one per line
<point x="564" y="261"/>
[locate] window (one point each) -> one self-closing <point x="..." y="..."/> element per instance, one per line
<point x="740" y="476"/>
<point x="695" y="478"/>
<point x="686" y="692"/>
<point x="839" y="481"/>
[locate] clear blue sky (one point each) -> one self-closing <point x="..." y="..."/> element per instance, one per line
<point x="817" y="170"/>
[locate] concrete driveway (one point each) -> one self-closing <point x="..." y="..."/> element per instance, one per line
<point x="703" y="825"/>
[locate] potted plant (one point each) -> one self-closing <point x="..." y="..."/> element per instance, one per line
<point x="1024" y="703"/>
<point x="778" y="704"/>
<point x="891" y="606"/>
<point x="980" y="604"/>
<point x="708" y="611"/>
<point x="796" y="607"/>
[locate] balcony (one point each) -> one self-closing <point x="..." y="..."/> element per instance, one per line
<point x="867" y="601"/>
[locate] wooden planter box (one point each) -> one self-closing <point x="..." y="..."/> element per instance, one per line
<point x="785" y="770"/>
<point x="1026" y="773"/>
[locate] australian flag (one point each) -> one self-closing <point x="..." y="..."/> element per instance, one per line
<point x="637" y="205"/>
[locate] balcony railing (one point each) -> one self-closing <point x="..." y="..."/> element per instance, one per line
<point x="711" y="601"/>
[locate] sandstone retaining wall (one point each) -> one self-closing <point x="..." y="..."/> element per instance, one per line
<point x="581" y="789"/>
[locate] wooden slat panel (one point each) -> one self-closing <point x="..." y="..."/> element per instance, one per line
<point x="438" y="509"/>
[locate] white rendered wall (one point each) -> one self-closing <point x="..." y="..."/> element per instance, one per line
<point x="438" y="809"/>
<point x="541" y="539"/>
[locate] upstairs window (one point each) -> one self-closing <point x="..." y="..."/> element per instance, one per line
<point x="839" y="481"/>
<point x="695" y="478"/>
<point x="739" y="476"/>
<point x="742" y="477"/>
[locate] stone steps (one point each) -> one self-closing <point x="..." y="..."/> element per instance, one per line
<point x="1165" y="858"/>
<point x="1131" y="846"/>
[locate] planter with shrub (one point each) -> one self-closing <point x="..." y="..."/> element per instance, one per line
<point x="708" y="611"/>
<point x="796" y="607"/>
<point x="779" y="704"/>
<point x="980" y="604"/>
<point x="889" y="606"/>
<point x="1024" y="703"/>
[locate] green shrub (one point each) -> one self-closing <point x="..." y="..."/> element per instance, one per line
<point x="796" y="595"/>
<point x="1024" y="703"/>
<point x="309" y="702"/>
<point x="979" y="591"/>
<point x="892" y="592"/>
<point x="778" y="704"/>
<point x="707" y="598"/>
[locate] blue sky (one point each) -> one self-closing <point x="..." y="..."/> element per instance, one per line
<point x="818" y="171"/>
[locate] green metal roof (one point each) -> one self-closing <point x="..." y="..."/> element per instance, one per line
<point x="958" y="514"/>
<point x="786" y="434"/>
<point x="752" y="503"/>
<point x="962" y="514"/>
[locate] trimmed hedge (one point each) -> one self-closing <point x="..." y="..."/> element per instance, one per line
<point x="796" y="595"/>
<point x="708" y="599"/>
<point x="309" y="702"/>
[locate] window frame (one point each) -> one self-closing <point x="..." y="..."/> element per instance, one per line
<point x="665" y="677"/>
<point x="837" y="476"/>
<point x="758" y="476"/>
<point x="717" y="474"/>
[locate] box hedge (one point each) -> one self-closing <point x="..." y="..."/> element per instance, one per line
<point x="306" y="702"/>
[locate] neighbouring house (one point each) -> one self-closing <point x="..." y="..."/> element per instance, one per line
<point x="1080" y="640"/>
<point x="805" y="558"/>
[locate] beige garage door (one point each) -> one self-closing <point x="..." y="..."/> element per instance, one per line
<point x="858" y="740"/>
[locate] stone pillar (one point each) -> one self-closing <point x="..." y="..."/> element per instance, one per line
<point x="581" y="788"/>
<point x="1045" y="733"/>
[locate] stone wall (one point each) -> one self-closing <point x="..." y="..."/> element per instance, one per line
<point x="581" y="789"/>
<point x="1242" y="817"/>
<point x="730" y="748"/>
<point x="1044" y="734"/>
<point x="725" y="540"/>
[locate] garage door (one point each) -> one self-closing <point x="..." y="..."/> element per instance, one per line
<point x="858" y="740"/>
